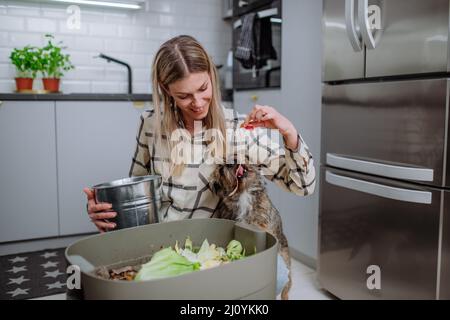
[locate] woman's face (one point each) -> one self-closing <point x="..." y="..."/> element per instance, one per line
<point x="192" y="95"/>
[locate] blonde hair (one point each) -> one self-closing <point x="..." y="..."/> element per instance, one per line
<point x="176" y="59"/>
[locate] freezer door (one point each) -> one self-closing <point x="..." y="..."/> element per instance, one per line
<point x="378" y="237"/>
<point x="404" y="36"/>
<point x="392" y="129"/>
<point x="343" y="52"/>
<point x="444" y="272"/>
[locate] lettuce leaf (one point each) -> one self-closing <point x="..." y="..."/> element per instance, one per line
<point x="166" y="263"/>
<point x="234" y="250"/>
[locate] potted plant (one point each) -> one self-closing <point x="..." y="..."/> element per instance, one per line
<point x="27" y="62"/>
<point x="54" y="64"/>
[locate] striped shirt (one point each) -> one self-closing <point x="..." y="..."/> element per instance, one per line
<point x="189" y="196"/>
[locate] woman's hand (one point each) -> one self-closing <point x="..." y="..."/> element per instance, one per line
<point x="98" y="212"/>
<point x="268" y="117"/>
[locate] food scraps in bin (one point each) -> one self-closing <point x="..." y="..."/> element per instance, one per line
<point x="127" y="273"/>
<point x="169" y="262"/>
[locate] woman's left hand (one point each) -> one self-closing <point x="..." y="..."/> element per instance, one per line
<point x="268" y="117"/>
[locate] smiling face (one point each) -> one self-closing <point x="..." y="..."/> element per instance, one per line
<point x="192" y="95"/>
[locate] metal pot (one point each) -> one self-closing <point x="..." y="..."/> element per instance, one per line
<point x="137" y="200"/>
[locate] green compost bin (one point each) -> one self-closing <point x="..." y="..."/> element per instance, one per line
<point x="253" y="277"/>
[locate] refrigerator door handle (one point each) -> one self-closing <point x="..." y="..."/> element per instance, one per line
<point x="363" y="16"/>
<point x="380" y="169"/>
<point x="380" y="190"/>
<point x="350" y="25"/>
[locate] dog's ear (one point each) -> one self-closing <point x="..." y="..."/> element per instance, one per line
<point x="215" y="187"/>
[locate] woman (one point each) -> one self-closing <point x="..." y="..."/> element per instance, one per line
<point x="186" y="91"/>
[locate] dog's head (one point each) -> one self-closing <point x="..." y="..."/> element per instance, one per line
<point x="230" y="179"/>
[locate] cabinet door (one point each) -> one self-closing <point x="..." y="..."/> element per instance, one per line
<point x="244" y="101"/>
<point x="96" y="142"/>
<point x="28" y="196"/>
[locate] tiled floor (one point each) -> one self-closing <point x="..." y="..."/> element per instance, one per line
<point x="304" y="285"/>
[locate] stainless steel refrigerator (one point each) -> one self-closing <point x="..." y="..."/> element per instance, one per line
<point x="384" y="220"/>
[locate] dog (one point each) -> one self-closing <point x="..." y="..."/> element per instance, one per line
<point x="244" y="199"/>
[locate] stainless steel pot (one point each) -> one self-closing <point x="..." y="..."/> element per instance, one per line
<point x="137" y="200"/>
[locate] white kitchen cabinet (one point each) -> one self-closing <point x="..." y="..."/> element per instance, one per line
<point x="245" y="100"/>
<point x="28" y="183"/>
<point x="95" y="143"/>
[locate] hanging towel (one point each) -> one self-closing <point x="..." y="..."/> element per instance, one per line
<point x="264" y="49"/>
<point x="255" y="42"/>
<point x="246" y="46"/>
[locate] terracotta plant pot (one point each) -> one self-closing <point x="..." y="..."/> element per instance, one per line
<point x="51" y="84"/>
<point x="24" y="84"/>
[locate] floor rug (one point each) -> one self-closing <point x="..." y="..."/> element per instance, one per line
<point x="32" y="274"/>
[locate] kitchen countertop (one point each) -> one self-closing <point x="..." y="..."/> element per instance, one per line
<point x="76" y="97"/>
<point x="226" y="96"/>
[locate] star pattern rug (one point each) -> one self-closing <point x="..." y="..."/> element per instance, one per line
<point x="32" y="274"/>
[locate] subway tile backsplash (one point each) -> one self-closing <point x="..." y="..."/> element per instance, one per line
<point x="132" y="36"/>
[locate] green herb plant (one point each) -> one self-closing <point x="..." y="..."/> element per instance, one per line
<point x="54" y="61"/>
<point x="27" y="61"/>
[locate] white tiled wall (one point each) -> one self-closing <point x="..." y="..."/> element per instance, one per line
<point x="132" y="36"/>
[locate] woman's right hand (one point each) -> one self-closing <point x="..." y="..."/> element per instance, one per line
<point x="99" y="212"/>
